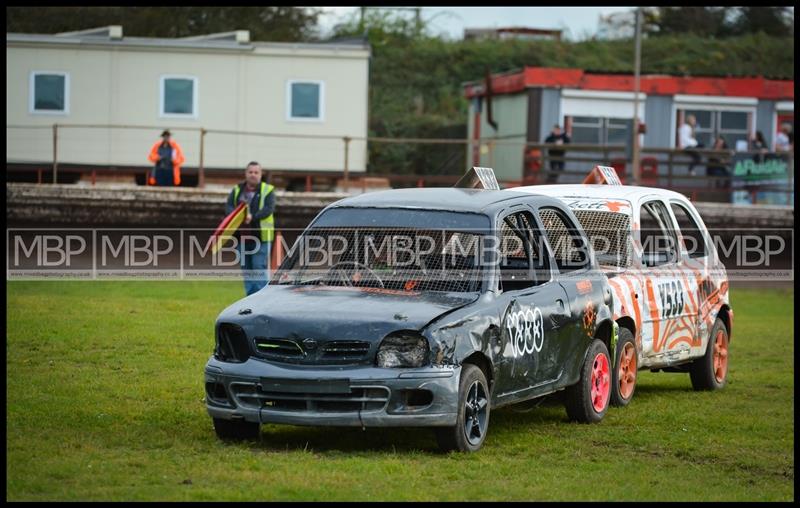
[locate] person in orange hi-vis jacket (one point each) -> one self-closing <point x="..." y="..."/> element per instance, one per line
<point x="167" y="156"/>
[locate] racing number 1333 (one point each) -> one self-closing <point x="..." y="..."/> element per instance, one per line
<point x="672" y="298"/>
<point x="526" y="331"/>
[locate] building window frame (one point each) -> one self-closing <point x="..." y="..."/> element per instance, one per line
<point x="32" y="93"/>
<point x="321" y="101"/>
<point x="602" y="124"/>
<point x="162" y="97"/>
<point x="782" y="112"/>
<point x="715" y="105"/>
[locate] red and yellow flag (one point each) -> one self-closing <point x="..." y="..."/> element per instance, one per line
<point x="227" y="227"/>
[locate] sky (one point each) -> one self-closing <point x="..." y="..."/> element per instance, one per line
<point x="577" y="22"/>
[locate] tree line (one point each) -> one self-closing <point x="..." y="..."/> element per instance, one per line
<point x="281" y="24"/>
<point x="718" y="21"/>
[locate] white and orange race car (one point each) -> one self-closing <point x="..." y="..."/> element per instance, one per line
<point x="671" y="301"/>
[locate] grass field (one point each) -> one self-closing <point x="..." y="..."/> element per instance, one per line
<point x="105" y="402"/>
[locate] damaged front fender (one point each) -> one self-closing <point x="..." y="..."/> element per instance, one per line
<point x="464" y="332"/>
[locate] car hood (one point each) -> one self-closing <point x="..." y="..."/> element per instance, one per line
<point x="335" y="312"/>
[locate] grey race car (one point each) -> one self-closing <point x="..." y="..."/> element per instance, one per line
<point x="419" y="307"/>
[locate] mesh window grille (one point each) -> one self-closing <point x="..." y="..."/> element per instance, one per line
<point x="567" y="250"/>
<point x="511" y="244"/>
<point x="401" y="259"/>
<point x="609" y="234"/>
<point x="515" y="269"/>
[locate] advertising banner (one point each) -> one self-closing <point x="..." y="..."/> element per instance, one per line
<point x="761" y="179"/>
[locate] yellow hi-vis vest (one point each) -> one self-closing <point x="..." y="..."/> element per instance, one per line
<point x="267" y="224"/>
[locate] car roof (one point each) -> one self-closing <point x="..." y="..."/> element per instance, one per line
<point x="430" y="198"/>
<point x="599" y="191"/>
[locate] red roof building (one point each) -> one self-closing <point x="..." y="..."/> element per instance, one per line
<point x="597" y="108"/>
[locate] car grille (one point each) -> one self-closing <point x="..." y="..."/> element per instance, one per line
<point x="366" y="398"/>
<point x="279" y="349"/>
<point x="330" y="352"/>
<point x="231" y="344"/>
<point x="345" y="349"/>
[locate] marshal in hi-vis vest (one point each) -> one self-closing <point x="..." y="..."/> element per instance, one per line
<point x="267" y="224"/>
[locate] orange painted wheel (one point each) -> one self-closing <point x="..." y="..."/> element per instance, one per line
<point x="710" y="372"/>
<point x="720" y="356"/>
<point x="626" y="366"/>
<point x="627" y="371"/>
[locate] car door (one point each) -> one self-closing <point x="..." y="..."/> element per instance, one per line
<point x="665" y="316"/>
<point x="533" y="309"/>
<point x="696" y="265"/>
<point x="570" y="249"/>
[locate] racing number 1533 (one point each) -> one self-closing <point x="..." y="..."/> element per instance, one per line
<point x="672" y="298"/>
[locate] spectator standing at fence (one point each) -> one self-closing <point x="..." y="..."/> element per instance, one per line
<point x="559" y="138"/>
<point x="759" y="144"/>
<point x="688" y="141"/>
<point x="784" y="140"/>
<point x="167" y="156"/>
<point x="258" y="229"/>
<point x="717" y="163"/>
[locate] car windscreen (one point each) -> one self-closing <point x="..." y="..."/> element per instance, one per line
<point x="394" y="249"/>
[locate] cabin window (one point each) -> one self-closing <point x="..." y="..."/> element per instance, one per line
<point x="179" y="97"/>
<point x="49" y="92"/>
<point x="305" y="100"/>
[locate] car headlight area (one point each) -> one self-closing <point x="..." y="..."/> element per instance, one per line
<point x="403" y="349"/>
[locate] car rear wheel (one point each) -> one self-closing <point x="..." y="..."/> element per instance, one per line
<point x="587" y="400"/>
<point x="711" y="371"/>
<point x="625" y="370"/>
<point x="472" y="422"/>
<point x="236" y="430"/>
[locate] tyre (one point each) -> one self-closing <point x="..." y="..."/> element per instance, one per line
<point x="236" y="430"/>
<point x="587" y="400"/>
<point x="472" y="422"/>
<point x="710" y="372"/>
<point x="626" y="364"/>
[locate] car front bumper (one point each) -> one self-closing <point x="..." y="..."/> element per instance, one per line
<point x="262" y="392"/>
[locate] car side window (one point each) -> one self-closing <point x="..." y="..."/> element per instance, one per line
<point x="659" y="243"/>
<point x="568" y="244"/>
<point x="523" y="263"/>
<point x="691" y="233"/>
